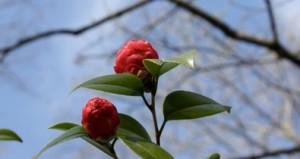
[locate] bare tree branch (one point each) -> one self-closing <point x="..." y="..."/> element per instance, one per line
<point x="151" y="25"/>
<point x="272" y="20"/>
<point x="275" y="46"/>
<point x="273" y="153"/>
<point x="6" y="50"/>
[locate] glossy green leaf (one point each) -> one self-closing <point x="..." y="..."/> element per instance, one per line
<point x="9" y="135"/>
<point x="72" y="133"/>
<point x="131" y="128"/>
<point x="97" y="145"/>
<point x="124" y="84"/>
<point x="66" y="126"/>
<point x="214" y="156"/>
<point x="167" y="66"/>
<point x="153" y="66"/>
<point x="186" y="59"/>
<point x="180" y="105"/>
<point x="158" y="67"/>
<point x="146" y="149"/>
<point x="135" y="136"/>
<point x="63" y="126"/>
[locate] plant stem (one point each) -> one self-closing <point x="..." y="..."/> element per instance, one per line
<point x="153" y="111"/>
<point x="151" y="107"/>
<point x="111" y="148"/>
<point x="155" y="120"/>
<point x="115" y="156"/>
<point x="161" y="128"/>
<point x="146" y="102"/>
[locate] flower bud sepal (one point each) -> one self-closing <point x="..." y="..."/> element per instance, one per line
<point x="105" y="140"/>
<point x="149" y="81"/>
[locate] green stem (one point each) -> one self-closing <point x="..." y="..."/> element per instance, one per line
<point x="161" y="128"/>
<point x="111" y="148"/>
<point x="155" y="120"/>
<point x="146" y="102"/>
<point x="153" y="111"/>
<point x="152" y="108"/>
<point x="115" y="156"/>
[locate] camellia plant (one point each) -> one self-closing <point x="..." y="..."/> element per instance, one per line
<point x="138" y="69"/>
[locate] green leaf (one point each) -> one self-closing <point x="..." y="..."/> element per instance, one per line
<point x="146" y="149"/>
<point x="135" y="136"/>
<point x="66" y="126"/>
<point x="167" y="66"/>
<point x="214" y="156"/>
<point x="131" y="128"/>
<point x="72" y="133"/>
<point x="63" y="126"/>
<point x="180" y="105"/>
<point x="124" y="84"/>
<point x="153" y="66"/>
<point x="9" y="135"/>
<point x="186" y="59"/>
<point x="158" y="67"/>
<point x="97" y="145"/>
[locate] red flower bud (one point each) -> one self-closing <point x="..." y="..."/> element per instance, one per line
<point x="130" y="57"/>
<point x="100" y="118"/>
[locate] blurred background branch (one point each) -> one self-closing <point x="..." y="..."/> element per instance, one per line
<point x="273" y="45"/>
<point x="4" y="51"/>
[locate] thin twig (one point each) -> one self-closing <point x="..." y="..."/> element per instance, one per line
<point x="275" y="47"/>
<point x="272" y="20"/>
<point x="273" y="153"/>
<point x="4" y="51"/>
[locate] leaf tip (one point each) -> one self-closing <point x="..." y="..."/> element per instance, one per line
<point x="228" y="109"/>
<point x="73" y="90"/>
<point x="20" y="140"/>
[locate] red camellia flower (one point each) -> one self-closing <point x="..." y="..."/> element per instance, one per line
<point x="130" y="57"/>
<point x="100" y="118"/>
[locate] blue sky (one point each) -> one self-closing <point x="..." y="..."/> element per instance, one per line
<point x="35" y="79"/>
